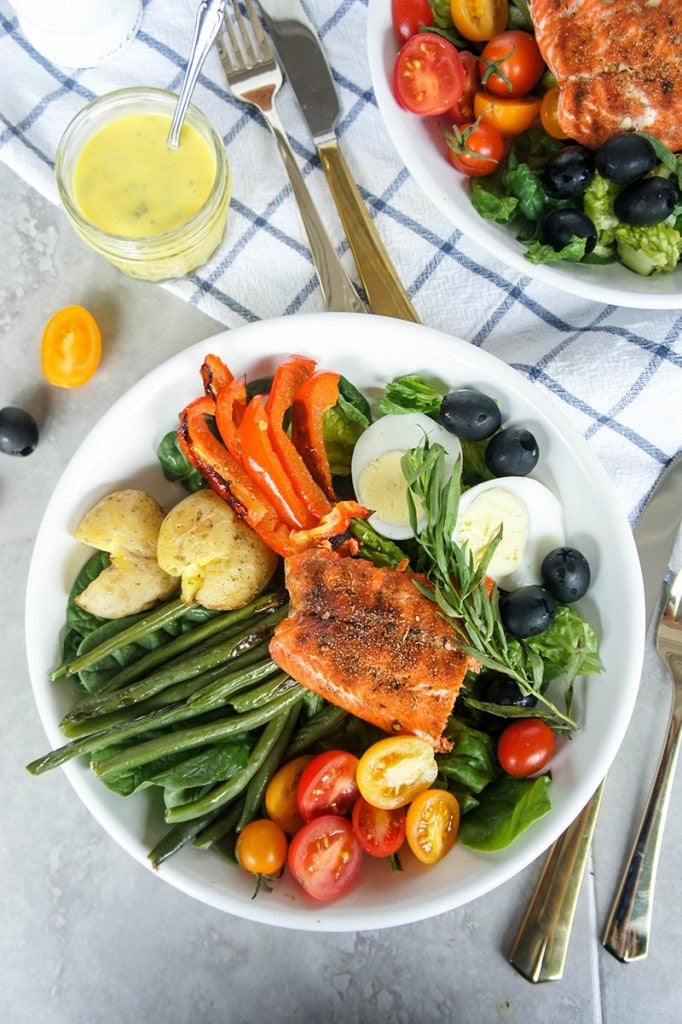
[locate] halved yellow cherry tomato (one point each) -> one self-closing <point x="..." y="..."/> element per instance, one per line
<point x="479" y="20"/>
<point x="71" y="347"/>
<point x="262" y="847"/>
<point x="549" y="114"/>
<point x="511" y="115"/>
<point x="392" y="771"/>
<point x="432" y="824"/>
<point x="280" y="796"/>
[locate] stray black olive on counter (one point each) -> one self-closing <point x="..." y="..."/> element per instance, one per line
<point x="18" y="431"/>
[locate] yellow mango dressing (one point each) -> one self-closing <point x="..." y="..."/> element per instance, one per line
<point x="129" y="181"/>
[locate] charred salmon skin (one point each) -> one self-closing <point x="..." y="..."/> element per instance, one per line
<point x="618" y="64"/>
<point x="367" y="640"/>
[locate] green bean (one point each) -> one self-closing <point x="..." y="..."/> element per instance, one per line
<point x="326" y="721"/>
<point x="193" y="736"/>
<point x="177" y="837"/>
<point x="160" y="617"/>
<point x="220" y="823"/>
<point x="184" y="667"/>
<point x="258" y="696"/>
<point x="167" y="714"/>
<point x="215" y="694"/>
<point x="190" y="639"/>
<point x="246" y="670"/>
<point x="255" y="792"/>
<point x="227" y="791"/>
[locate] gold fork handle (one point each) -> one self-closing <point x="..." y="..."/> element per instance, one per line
<point x="540" y="946"/>
<point x="627" y="930"/>
<point x="385" y="292"/>
<point x="338" y="289"/>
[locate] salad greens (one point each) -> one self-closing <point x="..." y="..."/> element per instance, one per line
<point x="514" y="194"/>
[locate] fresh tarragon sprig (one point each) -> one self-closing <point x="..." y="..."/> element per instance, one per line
<point x="458" y="582"/>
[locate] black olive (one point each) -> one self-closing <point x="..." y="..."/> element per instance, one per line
<point x="646" y="202"/>
<point x="566" y="574"/>
<point x="625" y="158"/>
<point x="512" y="452"/>
<point x="560" y="226"/>
<point x="470" y="414"/>
<point x="18" y="431"/>
<point x="527" y="611"/>
<point x="568" y="173"/>
<point x="495" y="688"/>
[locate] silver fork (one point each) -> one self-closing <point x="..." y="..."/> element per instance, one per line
<point x="255" y="77"/>
<point x="627" y="930"/>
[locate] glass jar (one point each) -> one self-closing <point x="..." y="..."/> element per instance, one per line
<point x="170" y="253"/>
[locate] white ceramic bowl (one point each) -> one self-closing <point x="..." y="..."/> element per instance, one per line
<point x="421" y="148"/>
<point x="369" y="350"/>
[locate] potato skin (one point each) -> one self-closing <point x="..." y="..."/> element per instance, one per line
<point x="222" y="563"/>
<point x="126" y="520"/>
<point x="129" y="585"/>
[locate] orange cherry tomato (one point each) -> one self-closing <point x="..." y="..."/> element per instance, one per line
<point x="479" y="20"/>
<point x="392" y="771"/>
<point x="71" y="347"/>
<point x="280" y="796"/>
<point x="432" y="824"/>
<point x="262" y="847"/>
<point x="549" y="114"/>
<point x="511" y="115"/>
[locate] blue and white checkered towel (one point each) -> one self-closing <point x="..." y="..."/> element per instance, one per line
<point x="616" y="371"/>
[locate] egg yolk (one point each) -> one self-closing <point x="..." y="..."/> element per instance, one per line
<point x="382" y="487"/>
<point x="494" y="508"/>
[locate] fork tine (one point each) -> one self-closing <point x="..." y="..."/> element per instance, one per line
<point x="257" y="27"/>
<point x="235" y="56"/>
<point x="247" y="46"/>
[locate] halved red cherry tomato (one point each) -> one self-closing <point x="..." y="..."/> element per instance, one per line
<point x="525" y="747"/>
<point x="392" y="771"/>
<point x="408" y="16"/>
<point x="380" y="832"/>
<point x="432" y="825"/>
<point x="549" y="114"/>
<point x="262" y="847"/>
<point x="428" y="77"/>
<point x="479" y="20"/>
<point x="327" y="784"/>
<point x="511" y="63"/>
<point x="71" y="347"/>
<point x="475" y="149"/>
<point x="280" y="796"/>
<point x="509" y="115"/>
<point x="463" y="110"/>
<point x="325" y="857"/>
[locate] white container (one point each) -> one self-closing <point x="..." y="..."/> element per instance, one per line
<point x="74" y="34"/>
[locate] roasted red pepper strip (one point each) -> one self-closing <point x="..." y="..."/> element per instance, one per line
<point x="224" y="474"/>
<point x="319" y="393"/>
<point x="215" y="375"/>
<point x="229" y="412"/>
<point x="266" y="471"/>
<point x="289" y="377"/>
<point x="335" y="523"/>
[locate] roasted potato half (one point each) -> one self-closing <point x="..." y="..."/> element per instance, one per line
<point x="125" y="524"/>
<point x="221" y="562"/>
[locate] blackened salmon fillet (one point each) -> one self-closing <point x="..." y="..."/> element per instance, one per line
<point x="618" y="64"/>
<point x="369" y="641"/>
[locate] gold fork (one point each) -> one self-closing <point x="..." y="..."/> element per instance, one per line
<point x="255" y="77"/>
<point x="626" y="935"/>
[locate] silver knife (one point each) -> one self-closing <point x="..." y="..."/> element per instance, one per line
<point x="539" y="949"/>
<point x="305" y="63"/>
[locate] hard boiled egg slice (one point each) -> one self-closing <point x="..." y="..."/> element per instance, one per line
<point x="377" y="475"/>
<point x="532" y="525"/>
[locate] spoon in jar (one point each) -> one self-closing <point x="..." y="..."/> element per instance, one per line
<point x="207" y="22"/>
